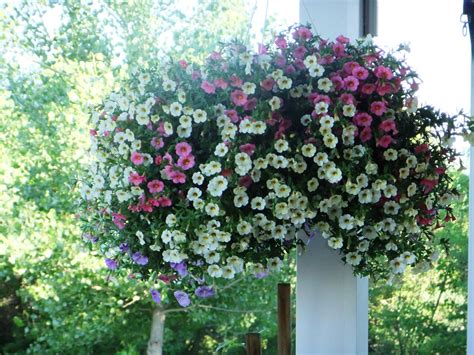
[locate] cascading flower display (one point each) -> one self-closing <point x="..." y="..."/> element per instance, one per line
<point x="203" y="172"/>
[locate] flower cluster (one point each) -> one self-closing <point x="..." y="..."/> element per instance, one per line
<point x="204" y="172"/>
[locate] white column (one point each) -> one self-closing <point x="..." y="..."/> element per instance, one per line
<point x="331" y="304"/>
<point x="470" y="291"/>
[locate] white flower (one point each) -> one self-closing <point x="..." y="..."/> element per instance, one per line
<point x="123" y="196"/>
<point x="403" y="173"/>
<point x="171" y="220"/>
<point x="308" y="150"/>
<point x="330" y="140"/>
<point x="281" y="210"/>
<point x="185" y="121"/>
<point x="175" y="109"/>
<point x="391" y="207"/>
<point x="390" y="154"/>
<point x="198" y="178"/>
<point x="327" y="121"/>
<point x="244" y="228"/>
<point x="221" y="150"/>
<point x="365" y="196"/>
<point x="390" y="191"/>
<point x="274" y="103"/>
<point x="274" y="264"/>
<point x="411" y="161"/>
<point x="169" y="85"/>
<point x="259" y="127"/>
<point x="245" y="126"/>
<point x="346" y="222"/>
<point x="371" y="168"/>
<point x="408" y="258"/>
<point x="212" y="209"/>
<point x="284" y="83"/>
<point x="279" y="232"/>
<point x="324" y="84"/>
<point x="281" y="145"/>
<point x="217" y="186"/>
<point x="258" y="203"/>
<point x="312" y="184"/>
<point x="228" y="272"/>
<point x="249" y="88"/>
<point x="321" y="107"/>
<point x="334" y="175"/>
<point x="397" y="265"/>
<point x="353" y="258"/>
<point x="316" y="71"/>
<point x="172" y="256"/>
<point x="214" y="270"/>
<point x="310" y="61"/>
<point x="241" y="200"/>
<point x="349" y="110"/>
<point x="321" y="159"/>
<point x="141" y="239"/>
<point x="411" y="189"/>
<point x="282" y="190"/>
<point x="142" y="119"/>
<point x="335" y="243"/>
<point x="193" y="194"/>
<point x="200" y="116"/>
<point x="391" y="246"/>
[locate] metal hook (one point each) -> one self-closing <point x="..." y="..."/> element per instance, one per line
<point x="464" y="21"/>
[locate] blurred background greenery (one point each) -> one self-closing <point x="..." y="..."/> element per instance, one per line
<point x="58" y="58"/>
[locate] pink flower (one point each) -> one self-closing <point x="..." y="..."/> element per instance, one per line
<point x="208" y="87"/>
<point x="158" y="159"/>
<point x="250" y="104"/>
<point x="350" y="66"/>
<point x="183" y="64"/>
<point x="236" y="81"/>
<point x="422" y="148"/>
<point x="290" y="69"/>
<point x="302" y="33"/>
<point x="155" y="186"/>
<point x="267" y="84"/>
<point x="351" y="83"/>
<point x="215" y="56"/>
<point x="366" y="134"/>
<point x="342" y="39"/>
<point x="363" y="119"/>
<point x="382" y="72"/>
<point x="299" y="52"/>
<point x="262" y="49"/>
<point x="161" y="129"/>
<point x="165" y="201"/>
<point x="378" y="108"/>
<point x="221" y="83"/>
<point x="183" y="149"/>
<point x="157" y="142"/>
<point x="388" y="126"/>
<point x="239" y="98"/>
<point x="137" y="158"/>
<point x="245" y="181"/>
<point x="337" y="82"/>
<point x="186" y="162"/>
<point x="347" y="99"/>
<point x="136" y="179"/>
<point x="367" y="89"/>
<point x="338" y="49"/>
<point x="280" y="61"/>
<point x="384" y="89"/>
<point x="196" y="75"/>
<point x="428" y="185"/>
<point x="177" y="177"/>
<point x="360" y="73"/>
<point x="280" y="42"/>
<point x="384" y="141"/>
<point x="233" y="115"/>
<point x="119" y="220"/>
<point x="248" y="148"/>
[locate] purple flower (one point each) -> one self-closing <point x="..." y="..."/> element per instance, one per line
<point x="205" y="291"/>
<point x="123" y="247"/>
<point x="261" y="275"/>
<point x="92" y="238"/>
<point x="155" y="295"/>
<point x="182" y="298"/>
<point x="139" y="258"/>
<point x="180" y="268"/>
<point x="111" y="264"/>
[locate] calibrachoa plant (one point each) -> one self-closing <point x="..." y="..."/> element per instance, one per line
<point x="204" y="172"/>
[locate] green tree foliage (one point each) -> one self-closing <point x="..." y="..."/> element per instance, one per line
<point x="426" y="314"/>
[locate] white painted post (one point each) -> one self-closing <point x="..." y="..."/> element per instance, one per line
<point x="331" y="304"/>
<point x="470" y="268"/>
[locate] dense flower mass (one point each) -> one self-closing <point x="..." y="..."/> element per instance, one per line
<point x="204" y="172"/>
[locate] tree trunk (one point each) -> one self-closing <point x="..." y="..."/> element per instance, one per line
<point x="155" y="343"/>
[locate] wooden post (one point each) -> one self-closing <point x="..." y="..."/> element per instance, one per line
<point x="284" y="319"/>
<point x="252" y="343"/>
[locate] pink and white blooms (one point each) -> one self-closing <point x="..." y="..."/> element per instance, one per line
<point x="213" y="170"/>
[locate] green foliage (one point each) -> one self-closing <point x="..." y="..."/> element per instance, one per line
<point x="426" y="314"/>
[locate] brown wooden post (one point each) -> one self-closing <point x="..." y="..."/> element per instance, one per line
<point x="284" y="319"/>
<point x="252" y="343"/>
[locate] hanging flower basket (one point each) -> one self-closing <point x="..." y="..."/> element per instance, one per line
<point x="202" y="172"/>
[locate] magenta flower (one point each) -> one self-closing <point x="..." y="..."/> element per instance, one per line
<point x="178" y="177"/>
<point x="378" y="108"/>
<point x="137" y="158"/>
<point x="338" y="49"/>
<point x="367" y="89"/>
<point x="360" y="73"/>
<point x="221" y="83"/>
<point x="208" y="87"/>
<point x="119" y="220"/>
<point x="267" y="84"/>
<point x="157" y="142"/>
<point x="299" y="52"/>
<point x="248" y="148"/>
<point x="164" y="201"/>
<point x="388" y="126"/>
<point x="136" y="179"/>
<point x="155" y="186"/>
<point x="182" y="298"/>
<point x="183" y="149"/>
<point x="239" y="98"/>
<point x="363" y="119"/>
<point x="236" y="81"/>
<point x="384" y="141"/>
<point x="366" y="134"/>
<point x="280" y="42"/>
<point x="351" y="83"/>
<point x="382" y="72"/>
<point x="186" y="162"/>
